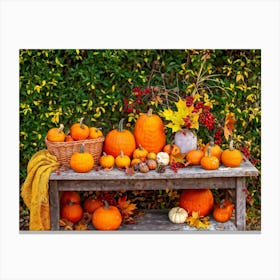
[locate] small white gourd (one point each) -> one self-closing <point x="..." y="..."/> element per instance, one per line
<point x="177" y="215"/>
<point x="163" y="158"/>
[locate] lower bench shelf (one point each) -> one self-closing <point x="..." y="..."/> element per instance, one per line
<point x="157" y="220"/>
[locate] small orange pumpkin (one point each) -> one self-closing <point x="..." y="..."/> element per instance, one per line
<point x="72" y="212"/>
<point x="94" y="133"/>
<point x="194" y="157"/>
<point x="140" y="153"/>
<point x="70" y="196"/>
<point x="79" y="131"/>
<point x="107" y="161"/>
<point x="119" y="139"/>
<point x="91" y="204"/>
<point x="107" y="217"/>
<point x="56" y="134"/>
<point x="223" y="211"/>
<point x="200" y="200"/>
<point x="81" y="161"/>
<point x="209" y="162"/>
<point x="149" y="132"/>
<point x="68" y="138"/>
<point x="122" y="160"/>
<point x="231" y="157"/>
<point x="215" y="149"/>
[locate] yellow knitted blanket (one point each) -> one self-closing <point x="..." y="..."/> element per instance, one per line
<point x="35" y="189"/>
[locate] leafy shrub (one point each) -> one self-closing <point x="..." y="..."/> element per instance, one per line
<point x="60" y="86"/>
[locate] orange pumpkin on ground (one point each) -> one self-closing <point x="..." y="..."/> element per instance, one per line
<point x="223" y="211"/>
<point x="91" y="204"/>
<point x="118" y="140"/>
<point x="70" y="196"/>
<point x="72" y="212"/>
<point x="81" y="161"/>
<point x="194" y="157"/>
<point x="231" y="157"/>
<point x="197" y="200"/>
<point x="215" y="150"/>
<point x="56" y="134"/>
<point x="79" y="131"/>
<point x="149" y="132"/>
<point x="107" y="217"/>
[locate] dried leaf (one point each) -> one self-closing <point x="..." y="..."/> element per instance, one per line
<point x="229" y="125"/>
<point x="81" y="226"/>
<point x="126" y="207"/>
<point x="196" y="221"/>
<point x="129" y="170"/>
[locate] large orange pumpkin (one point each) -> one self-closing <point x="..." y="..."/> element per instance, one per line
<point x="149" y="132"/>
<point x="118" y="140"/>
<point x="107" y="217"/>
<point x="200" y="200"/>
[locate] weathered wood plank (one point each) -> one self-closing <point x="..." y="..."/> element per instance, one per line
<point x="149" y="184"/>
<point x="240" y="207"/>
<point x="54" y="205"/>
<point x="246" y="169"/>
<point x="157" y="220"/>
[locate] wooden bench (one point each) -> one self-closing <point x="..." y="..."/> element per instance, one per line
<point x="186" y="178"/>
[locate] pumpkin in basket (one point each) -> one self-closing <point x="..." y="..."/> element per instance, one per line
<point x="81" y="161"/>
<point x="149" y="132"/>
<point x="118" y="140"/>
<point x="79" y="131"/>
<point x="94" y="133"/>
<point x="56" y="134"/>
<point x="197" y="200"/>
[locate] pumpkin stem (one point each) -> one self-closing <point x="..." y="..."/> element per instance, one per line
<point x="81" y="123"/>
<point x="209" y="151"/>
<point x="122" y="154"/>
<point x="106" y="204"/>
<point x="120" y="129"/>
<point x="82" y="148"/>
<point x="150" y="112"/>
<point x="61" y="127"/>
<point x="231" y="144"/>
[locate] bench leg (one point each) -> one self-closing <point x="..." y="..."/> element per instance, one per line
<point x="240" y="205"/>
<point x="54" y="205"/>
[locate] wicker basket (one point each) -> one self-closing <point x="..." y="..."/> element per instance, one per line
<point x="64" y="150"/>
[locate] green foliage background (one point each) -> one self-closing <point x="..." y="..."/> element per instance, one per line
<point x="60" y="86"/>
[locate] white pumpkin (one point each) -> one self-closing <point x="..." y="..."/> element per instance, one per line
<point x="186" y="140"/>
<point x="162" y="158"/>
<point x="177" y="215"/>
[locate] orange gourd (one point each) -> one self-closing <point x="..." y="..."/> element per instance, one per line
<point x="231" y="157"/>
<point x="72" y="212"/>
<point x="70" y="196"/>
<point x="122" y="160"/>
<point x="56" y="134"/>
<point x="209" y="162"/>
<point x="223" y="211"/>
<point x="194" y="157"/>
<point x="79" y="131"/>
<point x="215" y="149"/>
<point x="94" y="133"/>
<point x="107" y="161"/>
<point x="149" y="132"/>
<point x="107" y="217"/>
<point x="118" y="140"/>
<point x="91" y="204"/>
<point x="81" y="161"/>
<point x="171" y="149"/>
<point x="140" y="153"/>
<point x="200" y="200"/>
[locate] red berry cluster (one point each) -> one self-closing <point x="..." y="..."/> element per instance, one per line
<point x="189" y="101"/>
<point x="218" y="137"/>
<point x="206" y="118"/>
<point x="187" y="121"/>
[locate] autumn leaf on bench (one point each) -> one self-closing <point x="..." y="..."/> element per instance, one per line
<point x="126" y="207"/>
<point x="196" y="221"/>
